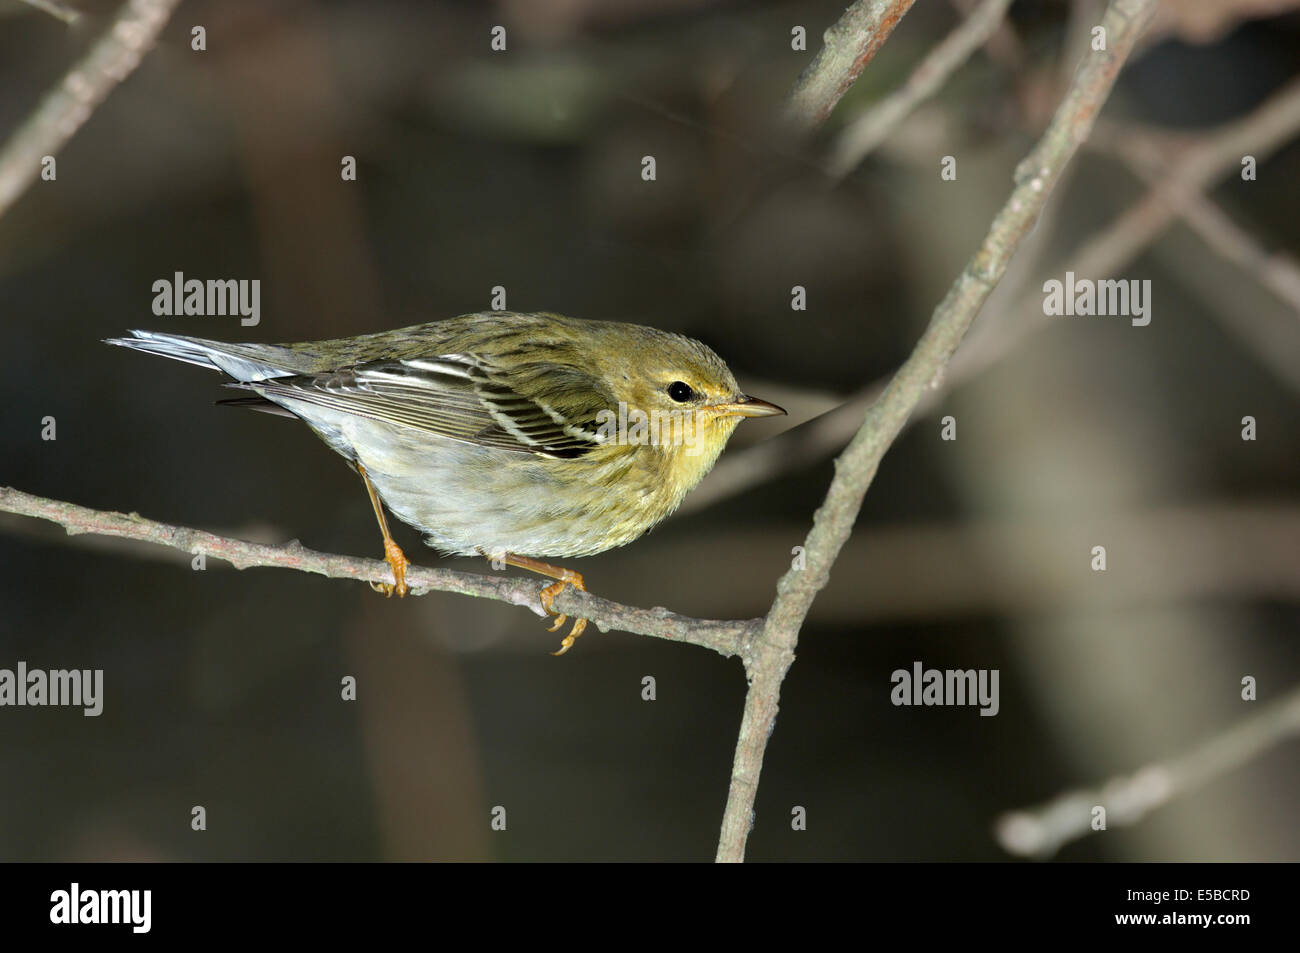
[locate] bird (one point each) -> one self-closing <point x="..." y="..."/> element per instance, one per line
<point x="520" y="437"/>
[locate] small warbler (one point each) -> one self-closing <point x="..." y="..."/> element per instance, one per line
<point x="519" y="437"/>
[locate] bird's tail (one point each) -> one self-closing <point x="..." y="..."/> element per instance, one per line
<point x="243" y="362"/>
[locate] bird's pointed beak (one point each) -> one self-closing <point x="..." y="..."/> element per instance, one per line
<point x="744" y="406"/>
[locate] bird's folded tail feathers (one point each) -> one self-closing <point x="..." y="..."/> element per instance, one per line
<point x="243" y="362"/>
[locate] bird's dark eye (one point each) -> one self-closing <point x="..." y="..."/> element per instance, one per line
<point x="680" y="391"/>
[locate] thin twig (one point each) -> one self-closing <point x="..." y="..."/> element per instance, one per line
<point x="873" y="126"/>
<point x="848" y="47"/>
<point x="856" y="467"/>
<point x="1042" y="831"/>
<point x="1277" y="271"/>
<point x="1004" y="46"/>
<point x="66" y="107"/>
<point x="722" y="636"/>
<point x="57" y="9"/>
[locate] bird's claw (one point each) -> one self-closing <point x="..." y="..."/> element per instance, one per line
<point x="395" y="558"/>
<point x="548" y="603"/>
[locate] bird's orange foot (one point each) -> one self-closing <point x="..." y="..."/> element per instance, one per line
<point x="565" y="577"/>
<point x="548" y="603"/>
<point x="394" y="556"/>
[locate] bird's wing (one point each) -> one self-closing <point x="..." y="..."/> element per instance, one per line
<point x="460" y="396"/>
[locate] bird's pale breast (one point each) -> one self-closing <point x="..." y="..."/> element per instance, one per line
<point x="472" y="500"/>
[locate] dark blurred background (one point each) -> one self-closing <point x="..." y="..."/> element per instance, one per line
<point x="522" y="169"/>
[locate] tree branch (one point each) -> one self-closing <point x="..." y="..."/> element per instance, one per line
<point x="1042" y="831"/>
<point x="848" y="47"/>
<point x="724" y="637"/>
<point x="66" y="107"/>
<point x="856" y="467"/>
<point x="874" y="125"/>
<point x="57" y="9"/>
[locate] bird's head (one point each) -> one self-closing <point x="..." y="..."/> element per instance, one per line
<point x="677" y="395"/>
